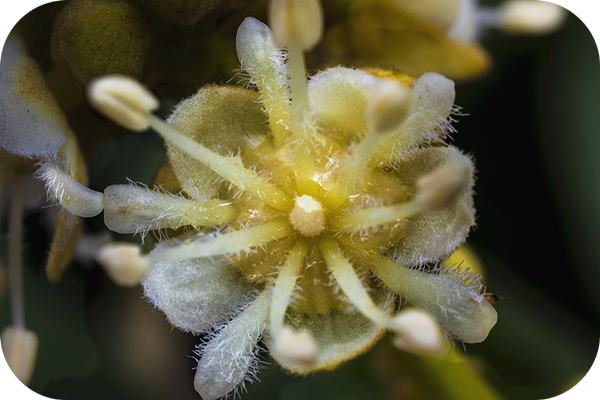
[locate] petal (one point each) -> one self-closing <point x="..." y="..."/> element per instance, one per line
<point x="31" y="123"/>
<point x="338" y="100"/>
<point x="222" y="118"/>
<point x="230" y="357"/>
<point x="339" y="335"/>
<point x="433" y="236"/>
<point x="195" y="294"/>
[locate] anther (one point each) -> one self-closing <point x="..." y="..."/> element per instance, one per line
<point x="441" y="187"/>
<point x="124" y="263"/>
<point x="417" y="331"/>
<point x="530" y="17"/>
<point x="124" y="100"/>
<point x="19" y="346"/>
<point x="296" y="20"/>
<point x="297" y="348"/>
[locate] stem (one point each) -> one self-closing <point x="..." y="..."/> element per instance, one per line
<point x="15" y="253"/>
<point x="371" y="217"/>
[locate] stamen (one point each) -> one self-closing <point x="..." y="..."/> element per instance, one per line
<point x="387" y="108"/>
<point x="128" y="102"/>
<point x="371" y="217"/>
<point x="124" y="263"/>
<point x="132" y="209"/>
<point x="229" y="168"/>
<point x="228" y="243"/>
<point x="265" y="64"/>
<point x="298" y="25"/>
<point x="66" y="191"/>
<point x="459" y="308"/>
<point x="436" y="191"/>
<point x="295" y="347"/>
<point x="346" y="277"/>
<point x="285" y="283"/>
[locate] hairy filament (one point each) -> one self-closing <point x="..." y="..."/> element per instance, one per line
<point x="229" y="168"/>
<point x="371" y="217"/>
<point x="303" y="129"/>
<point x="346" y="277"/>
<point x="285" y="283"/>
<point x="228" y="243"/>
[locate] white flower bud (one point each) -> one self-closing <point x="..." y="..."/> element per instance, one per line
<point x="124" y="100"/>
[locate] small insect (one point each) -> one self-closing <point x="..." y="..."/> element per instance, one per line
<point x="493" y="298"/>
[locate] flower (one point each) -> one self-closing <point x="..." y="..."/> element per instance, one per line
<point x="312" y="214"/>
<point x="432" y="35"/>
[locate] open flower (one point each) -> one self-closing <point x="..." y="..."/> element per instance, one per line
<point x="316" y="206"/>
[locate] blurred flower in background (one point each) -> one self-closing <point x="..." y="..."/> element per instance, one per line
<point x="530" y="102"/>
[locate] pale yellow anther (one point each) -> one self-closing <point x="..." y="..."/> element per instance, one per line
<point x="437" y="190"/>
<point x="308" y="216"/>
<point x="124" y="263"/>
<point x="124" y="100"/>
<point x="531" y="17"/>
<point x="296" y="348"/>
<point x="388" y="105"/>
<point x="417" y="331"/>
<point x="300" y="21"/>
<point x="19" y="346"/>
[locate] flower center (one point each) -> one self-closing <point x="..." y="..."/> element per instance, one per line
<point x="308" y="216"/>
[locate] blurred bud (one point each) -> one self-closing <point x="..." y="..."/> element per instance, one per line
<point x="91" y="38"/>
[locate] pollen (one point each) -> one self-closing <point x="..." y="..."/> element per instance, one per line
<point x="308" y="216"/>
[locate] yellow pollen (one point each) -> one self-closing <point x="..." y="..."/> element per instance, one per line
<point x="308" y="216"/>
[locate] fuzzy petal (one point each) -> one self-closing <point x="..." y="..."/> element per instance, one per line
<point x="339" y="335"/>
<point x="222" y="118"/>
<point x="31" y="123"/>
<point x="434" y="236"/>
<point x="230" y="356"/>
<point x="195" y="294"/>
